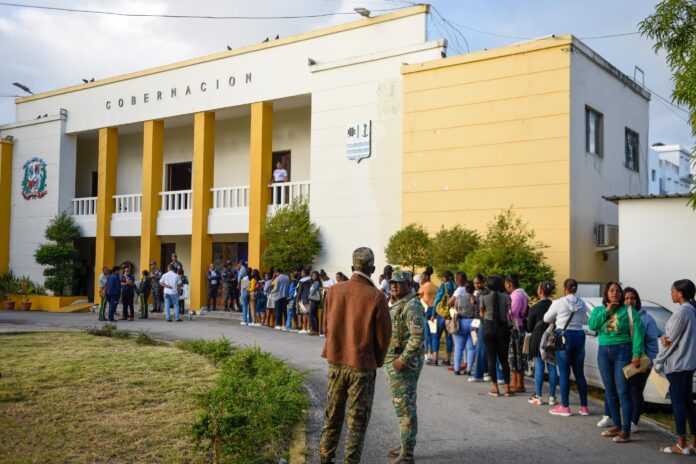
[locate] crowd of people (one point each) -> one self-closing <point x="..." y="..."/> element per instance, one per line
<point x="492" y="330"/>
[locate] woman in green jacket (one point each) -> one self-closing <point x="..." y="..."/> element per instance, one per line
<point x="621" y="336"/>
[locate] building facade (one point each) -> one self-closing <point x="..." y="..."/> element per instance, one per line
<point x="374" y="127"/>
<point x="670" y="170"/>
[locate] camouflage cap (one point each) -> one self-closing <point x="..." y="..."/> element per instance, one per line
<point x="363" y="258"/>
<point x="400" y="276"/>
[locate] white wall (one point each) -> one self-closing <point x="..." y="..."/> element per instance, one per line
<point x="656" y="246"/>
<point x="592" y="177"/>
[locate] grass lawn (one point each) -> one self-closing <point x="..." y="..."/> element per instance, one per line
<point x="72" y="397"/>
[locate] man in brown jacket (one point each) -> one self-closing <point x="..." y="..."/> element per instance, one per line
<point x="358" y="332"/>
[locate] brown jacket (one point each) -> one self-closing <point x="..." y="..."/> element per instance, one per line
<point x="357" y="324"/>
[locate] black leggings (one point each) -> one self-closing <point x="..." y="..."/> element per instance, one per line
<point x="128" y="308"/>
<point x="313" y="308"/>
<point x="496" y="338"/>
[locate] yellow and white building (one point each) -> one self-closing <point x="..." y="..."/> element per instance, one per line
<point x="179" y="157"/>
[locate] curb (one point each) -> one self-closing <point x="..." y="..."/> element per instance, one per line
<point x="298" y="444"/>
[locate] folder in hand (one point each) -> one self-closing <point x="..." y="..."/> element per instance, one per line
<point x="631" y="370"/>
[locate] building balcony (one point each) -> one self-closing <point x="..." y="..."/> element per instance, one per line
<point x="229" y="213"/>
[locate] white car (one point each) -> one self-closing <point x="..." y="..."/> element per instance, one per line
<point x="659" y="313"/>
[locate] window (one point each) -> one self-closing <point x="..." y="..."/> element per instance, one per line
<point x="632" y="145"/>
<point x="593" y="132"/>
<point x="653" y="175"/>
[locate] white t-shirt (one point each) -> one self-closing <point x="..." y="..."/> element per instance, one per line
<point x="459" y="292"/>
<point x="327" y="283"/>
<point x="172" y="279"/>
<point x="245" y="283"/>
<point x="279" y="175"/>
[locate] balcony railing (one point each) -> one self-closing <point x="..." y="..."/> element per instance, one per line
<point x="230" y="197"/>
<point x="84" y="206"/>
<point x="284" y="193"/>
<point x="128" y="203"/>
<point x="179" y="200"/>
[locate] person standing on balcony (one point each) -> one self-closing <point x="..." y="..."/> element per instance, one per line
<point x="213" y="277"/>
<point x="128" y="294"/>
<point x="279" y="173"/>
<point x="157" y="298"/>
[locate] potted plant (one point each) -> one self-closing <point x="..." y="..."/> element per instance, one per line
<point x="7" y="287"/>
<point x="26" y="288"/>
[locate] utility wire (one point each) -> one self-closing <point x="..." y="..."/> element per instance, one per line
<point x="608" y="36"/>
<point x="172" y="16"/>
<point x="667" y="101"/>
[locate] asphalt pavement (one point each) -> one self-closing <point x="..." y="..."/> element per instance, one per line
<point x="458" y="421"/>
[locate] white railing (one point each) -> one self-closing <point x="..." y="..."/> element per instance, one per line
<point x="230" y="197"/>
<point x="128" y="203"/>
<point x="179" y="200"/>
<point x="284" y="193"/>
<point x="84" y="206"/>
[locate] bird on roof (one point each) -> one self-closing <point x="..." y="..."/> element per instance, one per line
<point x="85" y="81"/>
<point x="265" y="40"/>
<point x="277" y="36"/>
<point x="229" y="48"/>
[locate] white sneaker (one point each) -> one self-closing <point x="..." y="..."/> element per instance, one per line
<point x="486" y="378"/>
<point x="284" y="329"/>
<point x="277" y="327"/>
<point x="474" y="379"/>
<point x="605" y="421"/>
<point x="552" y="401"/>
<point x="322" y="336"/>
<point x="302" y="332"/>
<point x="634" y="428"/>
<point x="243" y="323"/>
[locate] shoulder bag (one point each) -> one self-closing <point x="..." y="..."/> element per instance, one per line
<point x="554" y="340"/>
<point x="452" y="324"/>
<point x="443" y="309"/>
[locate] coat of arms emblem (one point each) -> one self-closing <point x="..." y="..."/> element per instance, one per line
<point x="34" y="181"/>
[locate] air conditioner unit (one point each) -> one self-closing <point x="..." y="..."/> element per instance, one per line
<point x="606" y="235"/>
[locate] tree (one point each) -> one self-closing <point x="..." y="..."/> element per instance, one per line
<point x="61" y="257"/>
<point x="450" y="247"/>
<point x="510" y="246"/>
<point x="673" y="28"/>
<point x="293" y="239"/>
<point x="409" y="247"/>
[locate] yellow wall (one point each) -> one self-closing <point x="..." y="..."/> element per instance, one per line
<point x="153" y="152"/>
<point x="261" y="152"/>
<point x="487" y="131"/>
<point x="5" y="203"/>
<point x="106" y="189"/>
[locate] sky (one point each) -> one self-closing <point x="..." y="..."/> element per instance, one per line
<point x="46" y="50"/>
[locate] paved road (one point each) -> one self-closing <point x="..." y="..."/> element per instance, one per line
<point x="458" y="422"/>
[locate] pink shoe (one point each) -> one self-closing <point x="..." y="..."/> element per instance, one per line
<point x="560" y="411"/>
<point x="584" y="411"/>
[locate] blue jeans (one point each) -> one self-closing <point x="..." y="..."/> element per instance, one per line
<point x="539" y="367"/>
<point x="246" y="317"/>
<point x="290" y="316"/>
<point x="426" y="338"/>
<point x="463" y="340"/>
<point x="435" y="337"/>
<point x="612" y="359"/>
<point x="572" y="357"/>
<point x="169" y="301"/>
<point x="113" y="302"/>
<point x="681" y="391"/>
<point x="481" y="366"/>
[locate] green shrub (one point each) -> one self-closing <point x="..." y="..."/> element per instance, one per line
<point x="122" y="334"/>
<point x="409" y="247"/>
<point x="216" y="351"/>
<point x="143" y="338"/>
<point x="293" y="239"/>
<point x="61" y="258"/>
<point x="107" y="330"/>
<point x="250" y="412"/>
<point x="450" y="247"/>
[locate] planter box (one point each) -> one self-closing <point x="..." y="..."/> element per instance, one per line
<point x="56" y="304"/>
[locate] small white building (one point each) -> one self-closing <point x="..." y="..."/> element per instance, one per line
<point x="656" y="244"/>
<point x="669" y="169"/>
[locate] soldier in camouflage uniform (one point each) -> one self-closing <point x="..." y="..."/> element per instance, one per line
<point x="358" y="330"/>
<point x="157" y="297"/>
<point x="404" y="361"/>
<point x="229" y="285"/>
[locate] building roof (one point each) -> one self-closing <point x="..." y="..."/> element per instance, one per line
<point x="617" y="198"/>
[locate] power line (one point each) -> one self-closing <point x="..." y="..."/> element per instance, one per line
<point x="172" y="16"/>
<point x="667" y="101"/>
<point x="608" y="36"/>
<point x="452" y="27"/>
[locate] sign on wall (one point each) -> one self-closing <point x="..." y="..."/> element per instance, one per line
<point x="34" y="181"/>
<point x="359" y="140"/>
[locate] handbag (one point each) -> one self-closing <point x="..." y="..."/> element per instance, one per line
<point x="452" y="324"/>
<point x="526" y="343"/>
<point x="443" y="309"/>
<point x="185" y="293"/>
<point x="630" y="370"/>
<point x="555" y="341"/>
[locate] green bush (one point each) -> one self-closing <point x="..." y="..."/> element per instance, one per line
<point x="409" y="247"/>
<point x="510" y="246"/>
<point x="293" y="239"/>
<point x="143" y="338"/>
<point x="107" y="330"/>
<point x="450" y="247"/>
<point x="61" y="258"/>
<point x="216" y="351"/>
<point x="250" y="412"/>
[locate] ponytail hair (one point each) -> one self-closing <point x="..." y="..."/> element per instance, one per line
<point x="687" y="289"/>
<point x="571" y="285"/>
<point x="547" y="288"/>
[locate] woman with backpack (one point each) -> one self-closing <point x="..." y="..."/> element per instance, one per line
<point x="677" y="361"/>
<point x="519" y="305"/>
<point x="494" y="307"/>
<point x="536" y="327"/>
<point x="569" y="314"/>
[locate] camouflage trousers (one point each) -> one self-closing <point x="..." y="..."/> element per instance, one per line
<point x="403" y="391"/>
<point x="354" y="389"/>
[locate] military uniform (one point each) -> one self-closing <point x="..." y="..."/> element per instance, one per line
<point x="143" y="292"/>
<point x="102" y="295"/>
<point x="408" y="321"/>
<point x="229" y="286"/>
<point x="157" y="298"/>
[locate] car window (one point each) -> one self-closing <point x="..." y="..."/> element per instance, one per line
<point x="661" y="316"/>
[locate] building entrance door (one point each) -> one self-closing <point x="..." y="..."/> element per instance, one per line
<point x="166" y="250"/>
<point x="223" y="252"/>
<point x="178" y="176"/>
